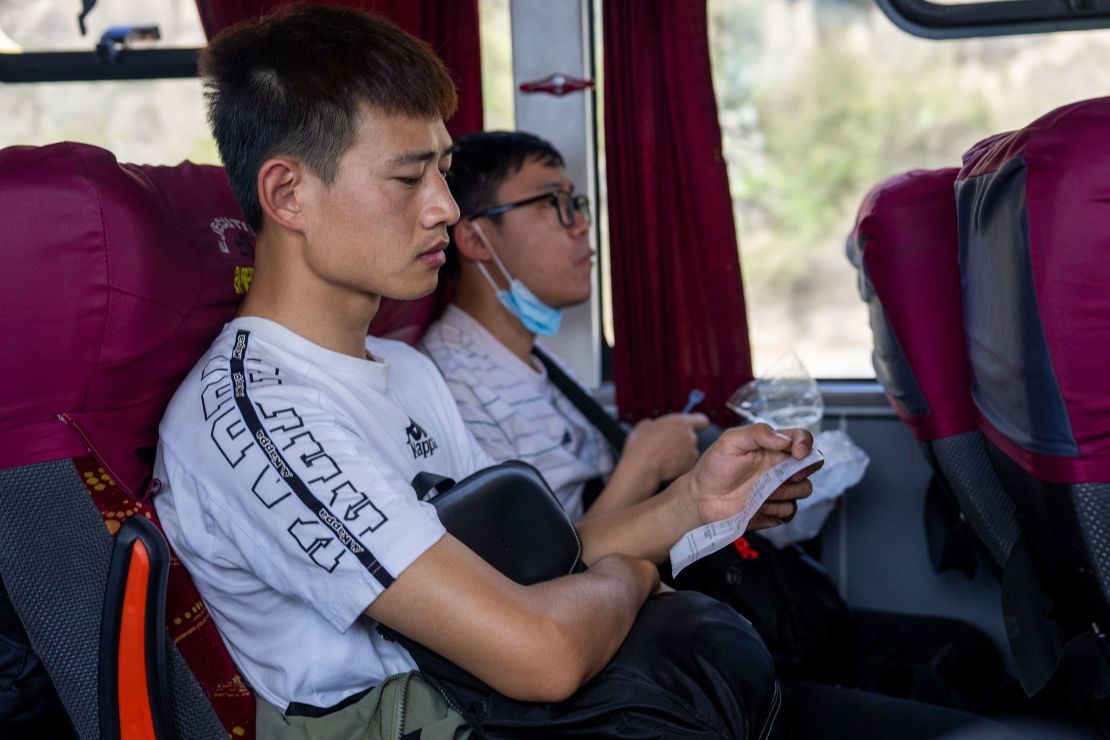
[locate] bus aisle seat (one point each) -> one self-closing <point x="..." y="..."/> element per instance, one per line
<point x="1032" y="210"/>
<point x="904" y="247"/>
<point x="115" y="279"/>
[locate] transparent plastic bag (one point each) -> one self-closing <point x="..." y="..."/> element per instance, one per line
<point x="845" y="464"/>
<point x="785" y="396"/>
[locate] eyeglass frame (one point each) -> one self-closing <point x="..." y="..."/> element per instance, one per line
<point x="576" y="204"/>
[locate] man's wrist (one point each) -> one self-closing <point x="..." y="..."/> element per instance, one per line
<point x="637" y="473"/>
<point x="685" y="502"/>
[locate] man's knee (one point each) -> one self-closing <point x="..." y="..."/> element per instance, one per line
<point x="704" y="653"/>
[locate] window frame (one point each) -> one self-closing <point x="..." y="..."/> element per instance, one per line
<point x="89" y="66"/>
<point x="933" y="20"/>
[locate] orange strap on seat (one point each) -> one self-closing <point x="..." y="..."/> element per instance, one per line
<point x="135" y="720"/>
<point x="134" y="689"/>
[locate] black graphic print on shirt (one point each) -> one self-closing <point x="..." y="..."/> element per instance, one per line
<point x="323" y="512"/>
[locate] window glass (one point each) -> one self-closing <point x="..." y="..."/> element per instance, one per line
<point x="146" y="121"/>
<point x="51" y="25"/>
<point x="497" y="65"/>
<point x="819" y="100"/>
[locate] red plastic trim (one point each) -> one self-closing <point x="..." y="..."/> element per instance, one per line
<point x="135" y="719"/>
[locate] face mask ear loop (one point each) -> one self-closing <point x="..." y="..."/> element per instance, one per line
<point x="500" y="264"/>
<point x="481" y="267"/>
<point x="493" y="285"/>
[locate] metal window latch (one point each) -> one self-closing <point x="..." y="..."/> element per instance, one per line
<point x="556" y="84"/>
<point x="119" y="38"/>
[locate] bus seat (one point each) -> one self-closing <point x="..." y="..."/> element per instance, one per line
<point x="1032" y="209"/>
<point x="115" y="278"/>
<point x="904" y="246"/>
<point x="406" y="321"/>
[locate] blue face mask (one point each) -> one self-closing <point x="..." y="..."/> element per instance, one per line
<point x="536" y="316"/>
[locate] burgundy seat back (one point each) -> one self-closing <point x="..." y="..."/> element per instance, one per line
<point x="406" y="321"/>
<point x="905" y="248"/>
<point x="1033" y="253"/>
<point x="115" y="279"/>
<point x="1034" y="243"/>
<point x="904" y="245"/>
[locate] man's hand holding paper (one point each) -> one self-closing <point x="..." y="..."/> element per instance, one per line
<point x="750" y="478"/>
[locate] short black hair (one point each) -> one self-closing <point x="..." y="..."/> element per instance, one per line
<point x="481" y="163"/>
<point x="293" y="83"/>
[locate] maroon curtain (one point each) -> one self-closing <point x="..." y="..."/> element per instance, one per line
<point x="678" y="302"/>
<point x="449" y="26"/>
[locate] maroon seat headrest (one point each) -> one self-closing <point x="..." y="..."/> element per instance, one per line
<point x="115" y="279"/>
<point x="406" y="321"/>
<point x="905" y="247"/>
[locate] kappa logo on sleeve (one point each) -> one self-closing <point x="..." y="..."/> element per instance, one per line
<point x="421" y="444"/>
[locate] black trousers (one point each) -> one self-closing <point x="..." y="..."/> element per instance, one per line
<point x="690" y="668"/>
<point x="817" y="712"/>
<point x="815" y="637"/>
<point x="930" y="659"/>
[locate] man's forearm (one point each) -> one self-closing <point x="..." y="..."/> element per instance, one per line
<point x="500" y="630"/>
<point x="647" y="530"/>
<point x="628" y="485"/>
<point x="596" y="609"/>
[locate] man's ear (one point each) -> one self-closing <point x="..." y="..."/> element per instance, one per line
<point x="278" y="179"/>
<point x="470" y="245"/>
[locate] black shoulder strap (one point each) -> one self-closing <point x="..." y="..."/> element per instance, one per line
<point x="424" y="482"/>
<point x="609" y="427"/>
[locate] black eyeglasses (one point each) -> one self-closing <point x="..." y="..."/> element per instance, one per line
<point x="567" y="205"/>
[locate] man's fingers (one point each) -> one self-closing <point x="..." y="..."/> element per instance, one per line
<point x="697" y="421"/>
<point x="795" y="442"/>
<point x="782" y="511"/>
<point x="801" y="442"/>
<point x="806" y="472"/>
<point x="792" y="491"/>
<point x="740" y="440"/>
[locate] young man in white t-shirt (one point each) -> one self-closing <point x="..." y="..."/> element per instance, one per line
<point x="287" y="455"/>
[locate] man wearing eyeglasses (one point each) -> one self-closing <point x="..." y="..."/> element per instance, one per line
<point x="517" y="258"/>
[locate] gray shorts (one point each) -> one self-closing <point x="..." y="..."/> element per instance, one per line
<point x="399" y="706"/>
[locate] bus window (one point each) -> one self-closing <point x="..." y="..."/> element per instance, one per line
<point x="821" y="100"/>
<point x="149" y="121"/>
<point x="498" y="112"/>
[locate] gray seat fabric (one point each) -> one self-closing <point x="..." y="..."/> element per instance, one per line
<point x="965" y="464"/>
<point x="1091" y="502"/>
<point x="54" y="558"/>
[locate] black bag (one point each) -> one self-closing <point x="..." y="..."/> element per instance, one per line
<point x="507" y="514"/>
<point x="788" y="597"/>
<point x="660" y="683"/>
